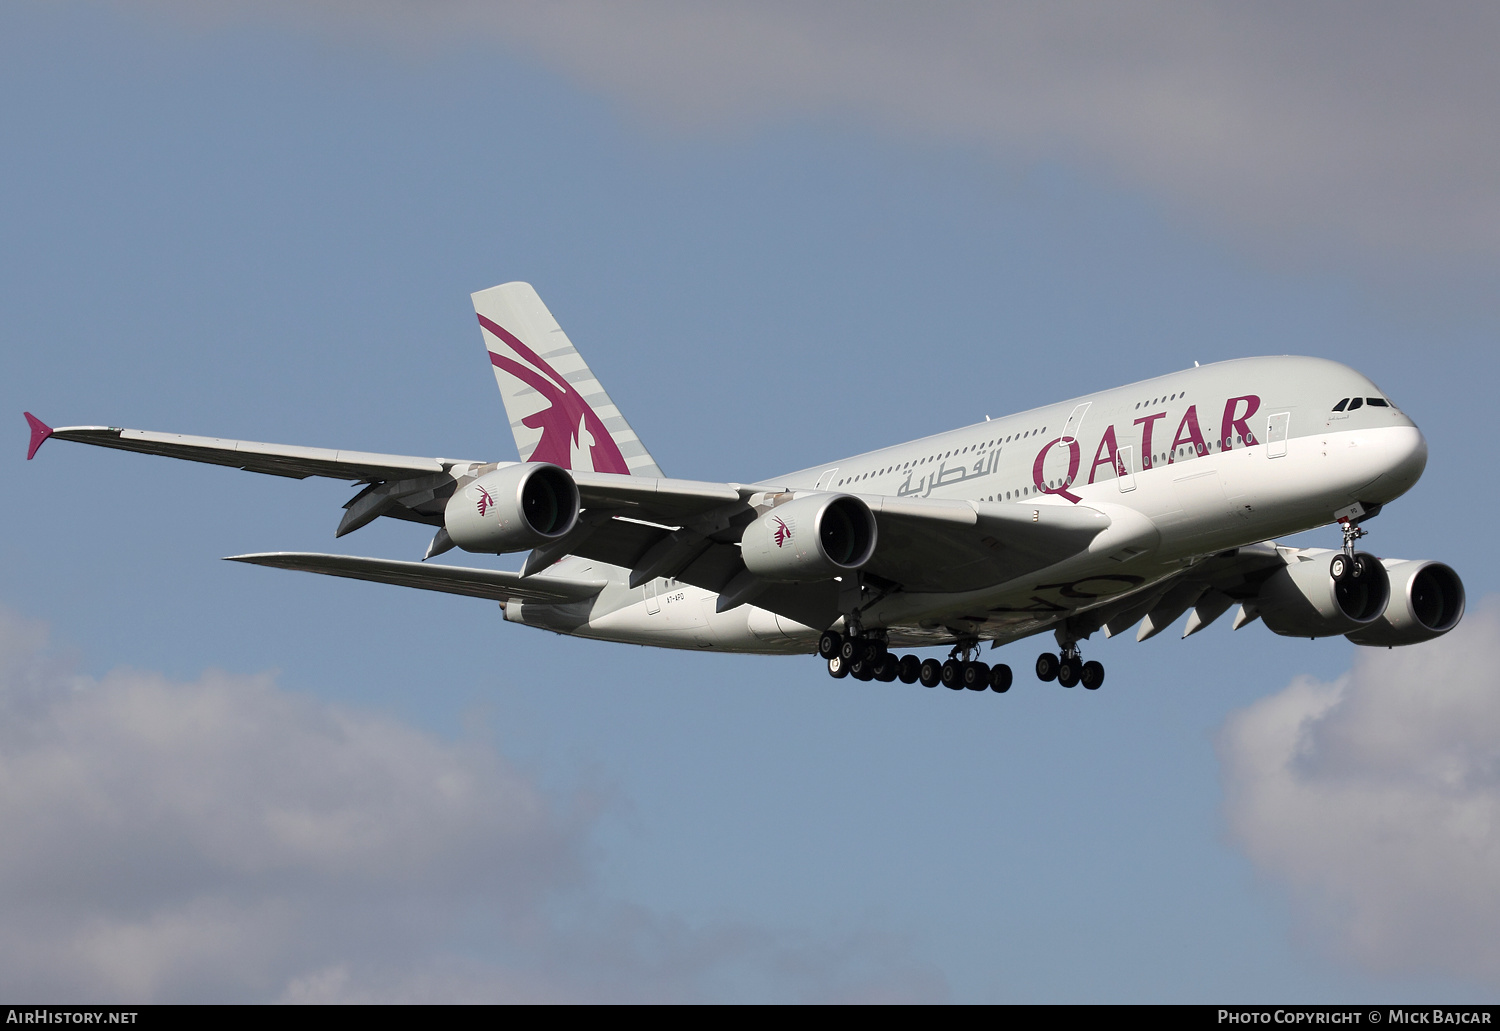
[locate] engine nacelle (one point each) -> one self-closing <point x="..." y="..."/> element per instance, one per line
<point x="1302" y="600"/>
<point x="812" y="538"/>
<point x="513" y="508"/>
<point x="1427" y="600"/>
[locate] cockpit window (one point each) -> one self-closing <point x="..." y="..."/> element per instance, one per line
<point x="1356" y="402"/>
<point x="1341" y="405"/>
<point x="1377" y="402"/>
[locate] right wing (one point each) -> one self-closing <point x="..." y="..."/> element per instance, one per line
<point x="690" y="531"/>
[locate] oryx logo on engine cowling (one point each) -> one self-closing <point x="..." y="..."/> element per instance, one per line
<point x="782" y="533"/>
<point x="485" y="501"/>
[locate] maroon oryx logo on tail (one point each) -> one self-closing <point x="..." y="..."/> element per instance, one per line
<point x="565" y="419"/>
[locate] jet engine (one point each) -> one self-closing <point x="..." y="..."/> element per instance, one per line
<point x="513" y="508"/>
<point x="1427" y="600"/>
<point x="1302" y="599"/>
<point x="811" y="538"/>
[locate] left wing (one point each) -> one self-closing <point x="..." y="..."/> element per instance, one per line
<point x="252" y="456"/>
<point x="402" y="486"/>
<point x="493" y="584"/>
<point x="653" y="526"/>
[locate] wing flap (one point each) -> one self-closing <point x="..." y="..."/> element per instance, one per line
<point x="494" y="584"/>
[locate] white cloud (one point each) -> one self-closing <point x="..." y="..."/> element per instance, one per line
<point x="1376" y="799"/>
<point x="1366" y="128"/>
<point x="227" y="840"/>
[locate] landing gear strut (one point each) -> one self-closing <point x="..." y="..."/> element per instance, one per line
<point x="1346" y="565"/>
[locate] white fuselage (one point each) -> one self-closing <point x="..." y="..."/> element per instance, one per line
<point x="1185" y="466"/>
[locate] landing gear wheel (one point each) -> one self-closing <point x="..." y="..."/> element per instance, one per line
<point x="838" y="668"/>
<point x="1068" y="671"/>
<point x="1092" y="676"/>
<point x="1046" y="666"/>
<point x="862" y="669"/>
<point x="852" y="649"/>
<point x="1340" y="567"/>
<point x="1361" y="567"/>
<point x="909" y="669"/>
<point x="885" y="668"/>
<point x="1000" y="678"/>
<point x="930" y="673"/>
<point x="830" y="643"/>
<point x="976" y="676"/>
<point x="953" y="675"/>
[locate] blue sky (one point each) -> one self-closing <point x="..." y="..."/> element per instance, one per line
<point x="266" y="225"/>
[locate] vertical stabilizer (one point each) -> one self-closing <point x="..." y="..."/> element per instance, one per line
<point x="558" y="411"/>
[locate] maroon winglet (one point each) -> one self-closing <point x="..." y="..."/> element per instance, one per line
<point x="40" y="431"/>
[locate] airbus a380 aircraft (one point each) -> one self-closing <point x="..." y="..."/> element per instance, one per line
<point x="1131" y="506"/>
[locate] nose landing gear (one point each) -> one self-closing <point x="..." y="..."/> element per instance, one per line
<point x="1346" y="565"/>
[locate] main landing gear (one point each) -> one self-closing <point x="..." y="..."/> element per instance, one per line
<point x="866" y="658"/>
<point x="1069" y="669"/>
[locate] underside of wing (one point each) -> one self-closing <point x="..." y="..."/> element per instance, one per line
<point x="950" y="547"/>
<point x="493" y="584"/>
<point x="1205" y="591"/>
<point x="691" y="531"/>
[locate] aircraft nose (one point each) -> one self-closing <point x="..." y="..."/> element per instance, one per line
<point x="1413" y="460"/>
<point x="1405" y="459"/>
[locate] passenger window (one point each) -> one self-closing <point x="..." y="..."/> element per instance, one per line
<point x="1377" y="402"/>
<point x="1357" y="402"/>
<point x="1341" y="405"/>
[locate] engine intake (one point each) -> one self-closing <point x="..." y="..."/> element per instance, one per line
<point x="811" y="538"/>
<point x="1427" y="600"/>
<point x="1302" y="600"/>
<point x="513" y="508"/>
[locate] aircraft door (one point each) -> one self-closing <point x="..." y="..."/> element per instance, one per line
<point x="1125" y="468"/>
<point x="1276" y="433"/>
<point x="1075" y="422"/>
<point x="826" y="479"/>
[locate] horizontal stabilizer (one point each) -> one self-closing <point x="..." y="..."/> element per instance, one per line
<point x="493" y="584"/>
